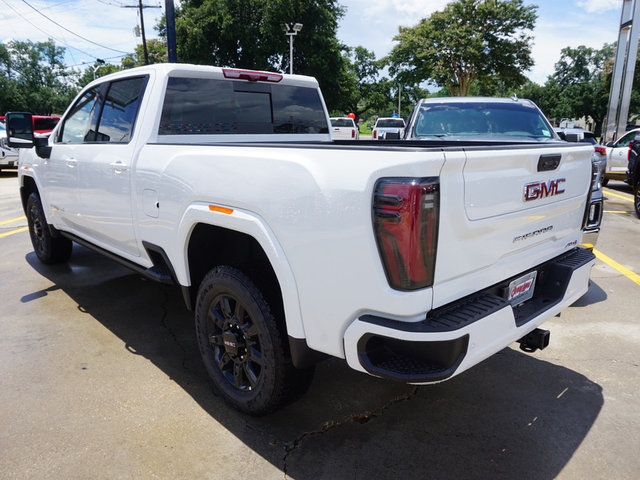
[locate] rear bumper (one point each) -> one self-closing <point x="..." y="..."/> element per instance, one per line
<point x="457" y="336"/>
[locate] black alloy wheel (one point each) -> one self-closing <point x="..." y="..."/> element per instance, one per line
<point x="243" y="346"/>
<point x="233" y="337"/>
<point x="48" y="249"/>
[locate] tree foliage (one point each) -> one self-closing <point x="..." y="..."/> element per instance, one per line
<point x="470" y="41"/>
<point x="156" y="50"/>
<point x="248" y="34"/>
<point x="33" y="78"/>
<point x="579" y="86"/>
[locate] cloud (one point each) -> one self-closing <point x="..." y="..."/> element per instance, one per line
<point x="598" y="6"/>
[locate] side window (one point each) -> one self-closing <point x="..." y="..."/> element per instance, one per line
<point x="120" y="110"/>
<point x="624" y="141"/>
<point x="76" y="128"/>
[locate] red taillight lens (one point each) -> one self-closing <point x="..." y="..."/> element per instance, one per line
<point x="629" y="151"/>
<point x="353" y="134"/>
<point x="601" y="150"/>
<point x="374" y="134"/>
<point x="405" y="220"/>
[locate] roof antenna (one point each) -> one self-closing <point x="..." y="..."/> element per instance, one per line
<point x="514" y="98"/>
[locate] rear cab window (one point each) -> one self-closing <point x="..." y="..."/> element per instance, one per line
<point x="200" y="107"/>
<point x="343" y="122"/>
<point x="390" y="123"/>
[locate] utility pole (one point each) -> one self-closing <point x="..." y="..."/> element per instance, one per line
<point x="144" y="38"/>
<point x="170" y="18"/>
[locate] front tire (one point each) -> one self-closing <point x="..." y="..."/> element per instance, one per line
<point x="49" y="249"/>
<point x="244" y="349"/>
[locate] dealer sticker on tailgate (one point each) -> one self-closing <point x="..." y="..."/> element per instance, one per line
<point x="521" y="289"/>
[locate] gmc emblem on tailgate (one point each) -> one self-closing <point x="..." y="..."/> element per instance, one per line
<point x="536" y="190"/>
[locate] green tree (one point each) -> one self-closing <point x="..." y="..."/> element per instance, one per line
<point x="156" y="50"/>
<point x="95" y="71"/>
<point x="483" y="41"/>
<point x="36" y="78"/>
<point x="248" y="34"/>
<point x="581" y="79"/>
<point x="364" y="89"/>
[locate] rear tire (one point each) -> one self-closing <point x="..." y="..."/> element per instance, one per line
<point x="244" y="349"/>
<point x="604" y="181"/>
<point x="49" y="249"/>
<point x="636" y="199"/>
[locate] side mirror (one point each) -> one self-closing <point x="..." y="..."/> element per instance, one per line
<point x="19" y="130"/>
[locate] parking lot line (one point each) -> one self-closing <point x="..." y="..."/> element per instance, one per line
<point x="23" y="229"/>
<point x="628" y="199"/>
<point x="622" y="269"/>
<point x="13" y="220"/>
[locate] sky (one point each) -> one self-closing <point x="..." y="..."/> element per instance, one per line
<point x="107" y="28"/>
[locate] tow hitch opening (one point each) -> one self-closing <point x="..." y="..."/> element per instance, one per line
<point x="534" y="340"/>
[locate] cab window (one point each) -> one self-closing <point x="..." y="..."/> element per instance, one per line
<point x="626" y="140"/>
<point x="120" y="110"/>
<point x="76" y="128"/>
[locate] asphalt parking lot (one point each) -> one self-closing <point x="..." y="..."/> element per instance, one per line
<point x="100" y="377"/>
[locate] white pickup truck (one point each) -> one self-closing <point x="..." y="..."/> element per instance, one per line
<point x="411" y="260"/>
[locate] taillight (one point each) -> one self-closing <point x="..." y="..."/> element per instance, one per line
<point x="601" y="150"/>
<point x="405" y="221"/>
<point x="353" y="134"/>
<point x="629" y="151"/>
<point x="375" y="134"/>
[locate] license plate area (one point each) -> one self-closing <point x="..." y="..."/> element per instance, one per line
<point x="521" y="289"/>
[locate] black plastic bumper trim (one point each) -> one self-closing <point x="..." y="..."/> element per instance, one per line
<point x="411" y="361"/>
<point x="551" y="286"/>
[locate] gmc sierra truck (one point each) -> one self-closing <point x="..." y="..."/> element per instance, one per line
<point x="411" y="260"/>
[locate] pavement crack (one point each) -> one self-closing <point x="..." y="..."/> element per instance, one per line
<point x="360" y="418"/>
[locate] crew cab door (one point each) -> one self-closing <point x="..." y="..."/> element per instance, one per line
<point x="59" y="172"/>
<point x="104" y="184"/>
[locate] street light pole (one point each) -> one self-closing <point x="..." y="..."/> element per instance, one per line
<point x="100" y="63"/>
<point x="290" y="30"/>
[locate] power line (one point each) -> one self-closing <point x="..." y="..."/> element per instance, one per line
<point x="47" y="33"/>
<point x="73" y="33"/>
<point x="58" y="4"/>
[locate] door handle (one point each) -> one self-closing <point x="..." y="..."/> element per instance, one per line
<point x="118" y="167"/>
<point x="71" y="162"/>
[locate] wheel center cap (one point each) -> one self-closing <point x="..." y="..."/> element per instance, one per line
<point x="232" y="343"/>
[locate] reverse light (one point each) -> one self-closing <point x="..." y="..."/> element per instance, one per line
<point x="405" y="221"/>
<point x="251" y="75"/>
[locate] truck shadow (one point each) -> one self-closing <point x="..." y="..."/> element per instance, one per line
<point x="513" y="415"/>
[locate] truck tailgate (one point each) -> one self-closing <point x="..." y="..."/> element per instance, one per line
<point x="514" y="208"/>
